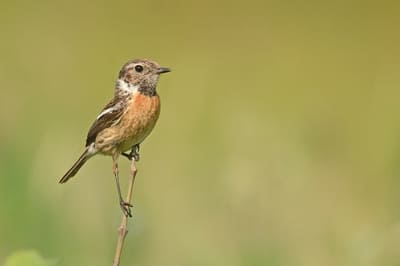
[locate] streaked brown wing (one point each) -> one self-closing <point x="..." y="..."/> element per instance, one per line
<point x="108" y="117"/>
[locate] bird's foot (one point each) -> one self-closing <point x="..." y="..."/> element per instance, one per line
<point x="126" y="208"/>
<point x="134" y="154"/>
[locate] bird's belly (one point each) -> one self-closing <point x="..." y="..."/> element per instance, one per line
<point x="135" y="134"/>
<point x="135" y="125"/>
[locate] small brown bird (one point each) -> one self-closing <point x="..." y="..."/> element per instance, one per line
<point x="126" y="120"/>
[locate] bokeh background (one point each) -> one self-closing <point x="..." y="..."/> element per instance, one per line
<point x="278" y="141"/>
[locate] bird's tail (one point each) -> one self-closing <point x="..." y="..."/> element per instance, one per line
<point x="77" y="165"/>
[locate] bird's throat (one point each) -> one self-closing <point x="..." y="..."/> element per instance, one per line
<point x="148" y="91"/>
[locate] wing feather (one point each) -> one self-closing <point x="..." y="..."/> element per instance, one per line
<point x="108" y="117"/>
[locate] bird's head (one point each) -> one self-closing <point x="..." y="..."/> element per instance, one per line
<point x="141" y="74"/>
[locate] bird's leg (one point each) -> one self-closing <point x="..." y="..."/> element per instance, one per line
<point x="134" y="153"/>
<point x="126" y="207"/>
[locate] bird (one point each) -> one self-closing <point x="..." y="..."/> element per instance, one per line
<point x="127" y="119"/>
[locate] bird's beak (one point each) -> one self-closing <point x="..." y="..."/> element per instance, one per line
<point x="163" y="70"/>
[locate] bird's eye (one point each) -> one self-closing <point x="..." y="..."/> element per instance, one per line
<point x="139" y="68"/>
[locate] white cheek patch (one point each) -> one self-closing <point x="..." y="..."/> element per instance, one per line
<point x="125" y="86"/>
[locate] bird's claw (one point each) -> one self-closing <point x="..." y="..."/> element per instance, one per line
<point x="126" y="208"/>
<point x="134" y="154"/>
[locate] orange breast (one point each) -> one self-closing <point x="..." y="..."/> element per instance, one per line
<point x="139" y="120"/>
<point x="134" y="126"/>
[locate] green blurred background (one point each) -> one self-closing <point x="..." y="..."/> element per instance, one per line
<point x="278" y="141"/>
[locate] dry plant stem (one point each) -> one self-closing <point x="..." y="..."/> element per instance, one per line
<point x="123" y="229"/>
